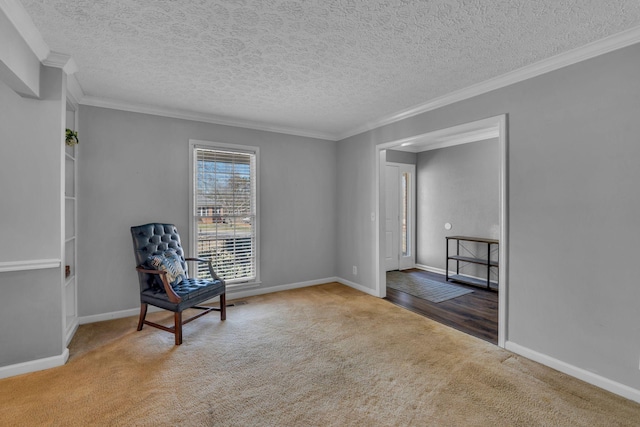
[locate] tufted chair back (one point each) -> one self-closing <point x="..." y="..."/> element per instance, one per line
<point x="154" y="239"/>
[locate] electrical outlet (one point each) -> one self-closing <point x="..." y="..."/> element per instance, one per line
<point x="355" y="270"/>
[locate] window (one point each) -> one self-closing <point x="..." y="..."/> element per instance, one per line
<point x="224" y="210"/>
<point x="405" y="213"/>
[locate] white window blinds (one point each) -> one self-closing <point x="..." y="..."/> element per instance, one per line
<point x="225" y="212"/>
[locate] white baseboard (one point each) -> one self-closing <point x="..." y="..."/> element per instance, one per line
<point x="451" y="273"/>
<point x="586" y="376"/>
<point x="71" y="331"/>
<point x="581" y="374"/>
<point x="109" y="316"/>
<point x="231" y="295"/>
<point x="34" y="365"/>
<point x="356" y="286"/>
<point x="114" y="315"/>
<point x="431" y="269"/>
<point x="589" y="377"/>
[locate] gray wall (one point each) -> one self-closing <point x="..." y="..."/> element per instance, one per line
<point x="458" y="185"/>
<point x="573" y="208"/>
<point x="355" y="242"/>
<point x="31" y="146"/>
<point x="30" y="172"/>
<point x="134" y="169"/>
<point x="19" y="66"/>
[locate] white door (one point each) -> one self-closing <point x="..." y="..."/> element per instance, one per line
<point x="400" y="212"/>
<point x="392" y="209"/>
<point x="407" y="210"/>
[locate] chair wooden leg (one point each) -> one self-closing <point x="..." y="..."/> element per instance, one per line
<point x="143" y="314"/>
<point x="178" y="327"/>
<point x="223" y="307"/>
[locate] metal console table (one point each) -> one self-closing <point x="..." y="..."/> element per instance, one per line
<point x="458" y="258"/>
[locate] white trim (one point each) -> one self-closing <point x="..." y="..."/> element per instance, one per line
<point x="33" y="264"/>
<point x="84" y="320"/>
<point x="71" y="330"/>
<point x="478" y="130"/>
<point x="431" y="269"/>
<point x="588" y="51"/>
<point x="496" y="122"/>
<point x="584" y="375"/>
<point x="193" y="246"/>
<point x="414" y="145"/>
<point x="231" y="295"/>
<point x="442" y="272"/>
<point x="199" y="117"/>
<point x="565" y="59"/>
<point x="62" y="61"/>
<point x="379" y="197"/>
<point x="356" y="286"/>
<point x="16" y="13"/>
<point x="250" y="149"/>
<point x="34" y="365"/>
<point x="503" y="248"/>
<point x="244" y="293"/>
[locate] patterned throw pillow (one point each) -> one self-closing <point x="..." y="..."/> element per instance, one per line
<point x="170" y="262"/>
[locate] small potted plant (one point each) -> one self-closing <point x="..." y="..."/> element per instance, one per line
<point x="71" y="137"/>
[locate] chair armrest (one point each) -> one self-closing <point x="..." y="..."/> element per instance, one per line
<point x="171" y="294"/>
<point x="211" y="272"/>
<point x="197" y="259"/>
<point x="146" y="270"/>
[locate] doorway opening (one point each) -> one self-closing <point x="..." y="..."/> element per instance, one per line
<point x="482" y="130"/>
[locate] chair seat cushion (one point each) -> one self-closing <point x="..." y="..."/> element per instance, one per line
<point x="191" y="290"/>
<point x="191" y="287"/>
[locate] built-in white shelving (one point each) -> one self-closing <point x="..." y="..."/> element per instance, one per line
<point x="69" y="280"/>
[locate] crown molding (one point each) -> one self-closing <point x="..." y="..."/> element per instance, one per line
<point x="588" y="51"/>
<point x="61" y="60"/>
<point x="198" y="117"/>
<point x="16" y="13"/>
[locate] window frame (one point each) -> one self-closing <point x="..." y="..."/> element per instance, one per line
<point x="193" y="225"/>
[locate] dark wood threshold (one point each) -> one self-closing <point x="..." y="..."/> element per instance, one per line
<point x="475" y="313"/>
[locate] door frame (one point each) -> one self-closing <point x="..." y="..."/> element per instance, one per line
<point x="411" y="223"/>
<point x="466" y="133"/>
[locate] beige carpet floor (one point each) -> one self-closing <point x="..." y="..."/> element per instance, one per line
<point x="321" y="356"/>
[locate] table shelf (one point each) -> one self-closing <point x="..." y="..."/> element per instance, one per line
<point x="458" y="258"/>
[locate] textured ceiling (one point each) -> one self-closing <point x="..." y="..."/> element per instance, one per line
<point x="326" y="66"/>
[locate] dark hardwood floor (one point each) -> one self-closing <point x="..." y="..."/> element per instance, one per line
<point x="475" y="313"/>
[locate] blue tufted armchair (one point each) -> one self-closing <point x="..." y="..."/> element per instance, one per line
<point x="164" y="280"/>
